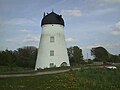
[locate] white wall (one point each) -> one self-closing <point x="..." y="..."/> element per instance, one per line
<point x="59" y="46"/>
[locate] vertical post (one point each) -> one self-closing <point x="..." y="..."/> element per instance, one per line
<point x="87" y="56"/>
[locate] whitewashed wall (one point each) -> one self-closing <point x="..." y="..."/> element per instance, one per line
<point x="59" y="46"/>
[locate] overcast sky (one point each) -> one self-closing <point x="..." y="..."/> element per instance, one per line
<point x="88" y="23"/>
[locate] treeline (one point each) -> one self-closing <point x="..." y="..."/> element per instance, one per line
<point x="22" y="57"/>
<point x="26" y="56"/>
<point x="101" y="54"/>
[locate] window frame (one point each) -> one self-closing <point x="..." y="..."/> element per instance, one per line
<point x="52" y="39"/>
<point x="52" y="53"/>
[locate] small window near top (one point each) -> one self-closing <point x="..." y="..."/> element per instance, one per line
<point x="51" y="39"/>
<point x="51" y="52"/>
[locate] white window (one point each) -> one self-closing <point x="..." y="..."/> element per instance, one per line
<point x="52" y="39"/>
<point x="51" y="52"/>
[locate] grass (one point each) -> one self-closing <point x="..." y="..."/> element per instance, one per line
<point x="22" y="70"/>
<point x="7" y="69"/>
<point x="84" y="79"/>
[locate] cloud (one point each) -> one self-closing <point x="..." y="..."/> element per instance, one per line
<point x="105" y="45"/>
<point x="116" y="29"/>
<point x="73" y="12"/>
<point x="90" y="46"/>
<point x="109" y="10"/>
<point x="105" y="11"/>
<point x="112" y="1"/>
<point x="11" y="40"/>
<point x="19" y="21"/>
<point x="30" y="38"/>
<point x="115" y="32"/>
<point x="71" y="40"/>
<point x="117" y="25"/>
<point x="113" y="45"/>
<point x="24" y="30"/>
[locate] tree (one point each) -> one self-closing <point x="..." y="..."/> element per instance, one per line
<point x="119" y="55"/>
<point x="75" y="55"/>
<point x="114" y="58"/>
<point x="26" y="56"/>
<point x="100" y="54"/>
<point x="23" y="57"/>
<point x="7" y="58"/>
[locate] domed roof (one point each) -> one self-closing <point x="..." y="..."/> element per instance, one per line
<point x="52" y="18"/>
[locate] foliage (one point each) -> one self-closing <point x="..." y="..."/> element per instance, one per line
<point x="26" y="56"/>
<point x="7" y="58"/>
<point x="75" y="55"/>
<point x="114" y="58"/>
<point x="23" y="57"/>
<point x="14" y="69"/>
<point x="89" y="79"/>
<point x="101" y="54"/>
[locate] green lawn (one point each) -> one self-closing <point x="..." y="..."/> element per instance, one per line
<point x="7" y="69"/>
<point x="89" y="79"/>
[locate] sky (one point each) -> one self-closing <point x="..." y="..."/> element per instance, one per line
<point x="88" y="23"/>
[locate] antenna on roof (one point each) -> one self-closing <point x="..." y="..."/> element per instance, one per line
<point x="44" y="14"/>
<point x="52" y="10"/>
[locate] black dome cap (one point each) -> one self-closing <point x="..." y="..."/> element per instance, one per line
<point x="52" y="18"/>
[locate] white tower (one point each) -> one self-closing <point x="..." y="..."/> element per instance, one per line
<point x="52" y="50"/>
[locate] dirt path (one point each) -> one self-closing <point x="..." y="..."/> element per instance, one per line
<point x="43" y="73"/>
<point x="33" y="74"/>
